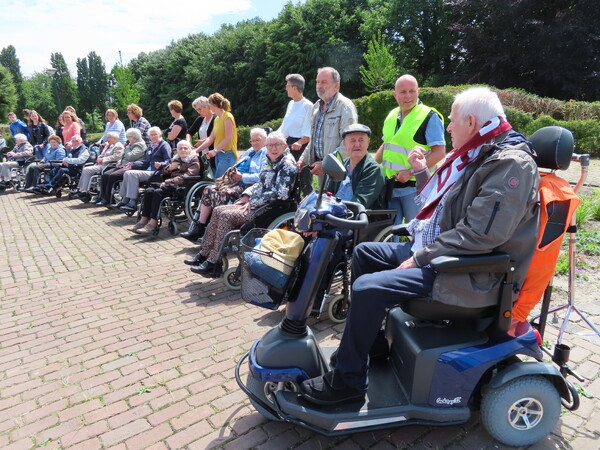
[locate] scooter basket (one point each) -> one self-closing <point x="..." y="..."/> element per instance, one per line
<point x="265" y="279"/>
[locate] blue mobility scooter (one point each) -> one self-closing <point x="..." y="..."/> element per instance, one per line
<point x="444" y="363"/>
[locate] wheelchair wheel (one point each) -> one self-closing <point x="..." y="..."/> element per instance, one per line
<point x="115" y="191"/>
<point x="172" y="226"/>
<point x="338" y="309"/>
<point x="58" y="193"/>
<point x="384" y="235"/>
<point x="193" y="198"/>
<point x="285" y="221"/>
<point x="232" y="279"/>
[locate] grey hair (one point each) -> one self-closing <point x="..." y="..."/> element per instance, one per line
<point x="296" y="80"/>
<point x="202" y="101"/>
<point x="277" y="135"/>
<point x="20" y="137"/>
<point x="480" y="102"/>
<point x="155" y="129"/>
<point x="334" y="73"/>
<point x="133" y="133"/>
<point x="259" y="131"/>
<point x="112" y="134"/>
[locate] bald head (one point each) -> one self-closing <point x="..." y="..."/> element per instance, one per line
<point x="406" y="93"/>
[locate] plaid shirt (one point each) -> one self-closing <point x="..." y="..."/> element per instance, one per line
<point x="317" y="142"/>
<point x="143" y="125"/>
<point x="426" y="231"/>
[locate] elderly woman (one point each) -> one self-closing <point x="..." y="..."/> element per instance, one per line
<point x="224" y="135"/>
<point x="248" y="169"/>
<point x="183" y="165"/>
<point x="157" y="156"/>
<point x="135" y="115"/>
<point x="113" y="125"/>
<point x="134" y="150"/>
<point x="71" y="127"/>
<point x="20" y="152"/>
<point x="276" y="181"/>
<point x="178" y="128"/>
<point x="54" y="151"/>
<point x="111" y="154"/>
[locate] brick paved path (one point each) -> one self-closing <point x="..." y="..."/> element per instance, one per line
<point x="108" y="341"/>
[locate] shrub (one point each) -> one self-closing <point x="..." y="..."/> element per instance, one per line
<point x="244" y="132"/>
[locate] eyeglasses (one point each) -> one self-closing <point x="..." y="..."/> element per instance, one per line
<point x="279" y="144"/>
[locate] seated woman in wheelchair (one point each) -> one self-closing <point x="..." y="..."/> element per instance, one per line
<point x="246" y="173"/>
<point x="111" y="154"/>
<point x="275" y="182"/>
<point x="21" y="151"/>
<point x="183" y="165"/>
<point x="76" y="157"/>
<point x="54" y="151"/>
<point x="134" y="150"/>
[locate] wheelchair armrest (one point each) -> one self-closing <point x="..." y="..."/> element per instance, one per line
<point x="490" y="263"/>
<point x="400" y="230"/>
<point x="380" y="212"/>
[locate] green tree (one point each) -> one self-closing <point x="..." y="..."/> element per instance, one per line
<point x="125" y="89"/>
<point x="8" y="58"/>
<point x="8" y="92"/>
<point x="92" y="84"/>
<point x="380" y="72"/>
<point x="65" y="90"/>
<point x="39" y="94"/>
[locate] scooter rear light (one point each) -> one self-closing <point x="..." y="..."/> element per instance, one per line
<point x="538" y="336"/>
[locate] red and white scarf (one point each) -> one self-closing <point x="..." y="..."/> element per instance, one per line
<point x="456" y="162"/>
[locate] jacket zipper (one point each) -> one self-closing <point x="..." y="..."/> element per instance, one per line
<point x="494" y="212"/>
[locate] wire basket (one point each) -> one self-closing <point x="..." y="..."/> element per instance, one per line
<point x="262" y="283"/>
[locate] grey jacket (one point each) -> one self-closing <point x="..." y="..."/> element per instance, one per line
<point x="341" y="114"/>
<point x="133" y="152"/>
<point x="493" y="206"/>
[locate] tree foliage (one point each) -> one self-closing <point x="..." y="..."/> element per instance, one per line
<point x="381" y="71"/>
<point x="8" y="58"/>
<point x="65" y="90"/>
<point x="92" y="84"/>
<point x="125" y="90"/>
<point x="8" y="92"/>
<point x="39" y="94"/>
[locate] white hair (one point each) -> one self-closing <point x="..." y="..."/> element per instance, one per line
<point x="260" y="131"/>
<point x="20" y="137"/>
<point x="480" y="102"/>
<point x="133" y="133"/>
<point x="278" y="135"/>
<point x="112" y="134"/>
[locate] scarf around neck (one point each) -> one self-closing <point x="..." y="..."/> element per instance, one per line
<point x="456" y="162"/>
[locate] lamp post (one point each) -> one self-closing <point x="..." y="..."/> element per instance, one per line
<point x="55" y="87"/>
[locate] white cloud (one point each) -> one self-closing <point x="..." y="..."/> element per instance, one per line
<point x="38" y="28"/>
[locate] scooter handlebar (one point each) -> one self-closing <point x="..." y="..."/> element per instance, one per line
<point x="338" y="222"/>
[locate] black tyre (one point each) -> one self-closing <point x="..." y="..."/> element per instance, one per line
<point x="522" y="411"/>
<point x="338" y="309"/>
<point x="285" y="221"/>
<point x="384" y="235"/>
<point x="172" y="226"/>
<point x="265" y="391"/>
<point x="58" y="193"/>
<point x="232" y="279"/>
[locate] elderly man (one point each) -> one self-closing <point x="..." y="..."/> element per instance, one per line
<point x="364" y="181"/>
<point x="158" y="155"/>
<point x="410" y="124"/>
<point x="298" y="116"/>
<point x="483" y="198"/>
<point x="20" y="152"/>
<point x="77" y="156"/>
<point x="331" y="114"/>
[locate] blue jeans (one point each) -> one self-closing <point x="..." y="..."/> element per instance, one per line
<point x="224" y="161"/>
<point x="403" y="201"/>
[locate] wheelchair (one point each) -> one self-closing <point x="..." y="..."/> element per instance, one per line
<point x="18" y="174"/>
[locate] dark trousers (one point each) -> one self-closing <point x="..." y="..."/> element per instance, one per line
<point x="109" y="178"/>
<point x="153" y="197"/>
<point x="295" y="153"/>
<point x="377" y="285"/>
<point x="33" y="175"/>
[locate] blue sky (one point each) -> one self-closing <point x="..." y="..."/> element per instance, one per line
<point x="74" y="28"/>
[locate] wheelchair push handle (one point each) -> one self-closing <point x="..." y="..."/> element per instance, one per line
<point x="349" y="224"/>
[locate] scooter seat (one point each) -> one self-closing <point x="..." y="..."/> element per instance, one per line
<point x="428" y="309"/>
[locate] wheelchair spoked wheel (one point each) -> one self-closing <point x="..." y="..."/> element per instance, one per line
<point x="337" y="311"/>
<point x="232" y="278"/>
<point x="285" y="222"/>
<point x="193" y="198"/>
<point x="384" y="235"/>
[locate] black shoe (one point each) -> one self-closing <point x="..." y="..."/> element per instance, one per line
<point x="195" y="261"/>
<point x="123" y="202"/>
<point x="208" y="269"/>
<point x="85" y="197"/>
<point x="130" y="206"/>
<point x="380" y="350"/>
<point x="329" y="389"/>
<point x="196" y="231"/>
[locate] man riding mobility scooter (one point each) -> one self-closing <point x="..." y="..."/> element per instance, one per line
<point x="444" y="361"/>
